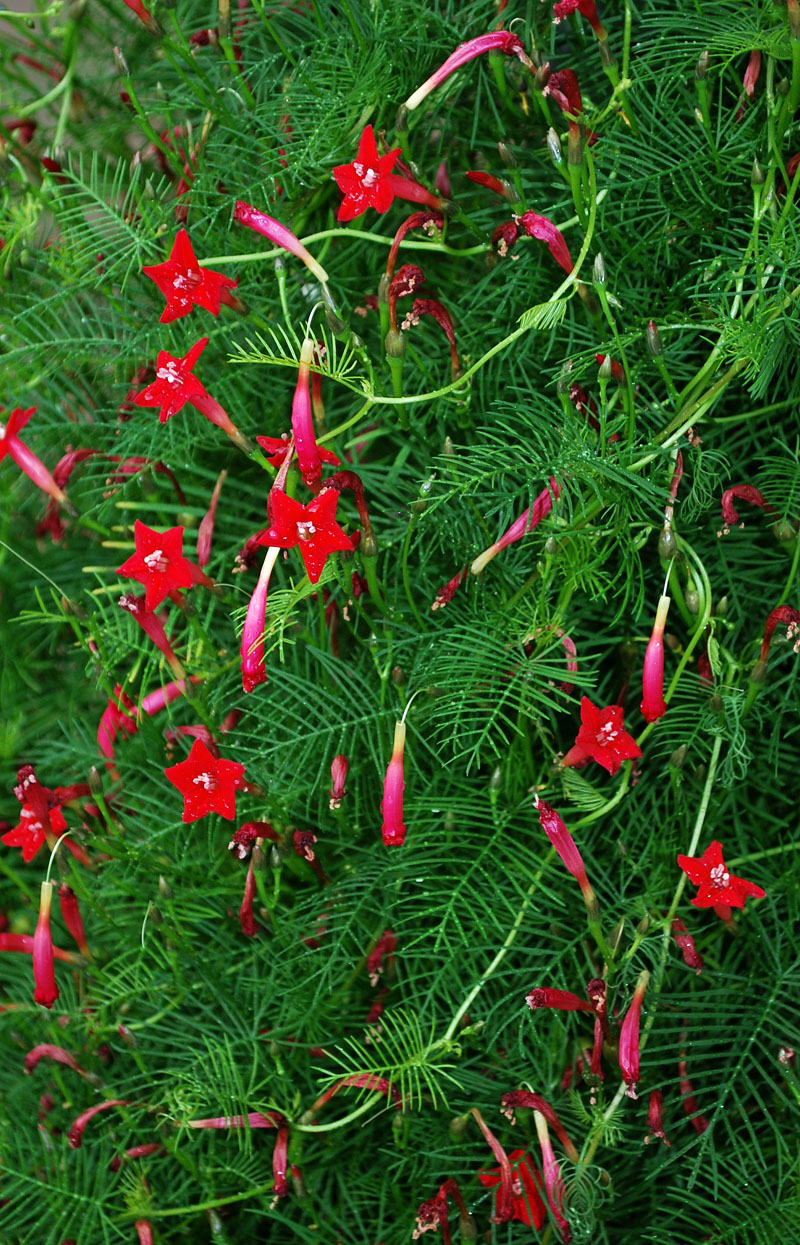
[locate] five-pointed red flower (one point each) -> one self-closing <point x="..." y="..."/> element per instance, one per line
<point x="185" y="284"/>
<point x="365" y="183"/>
<point x="603" y="738"/>
<point x="159" y="564"/>
<point x="175" y="384"/>
<point x="717" y="885"/>
<point x="313" y="528"/>
<point x="528" y="1204"/>
<point x="30" y="834"/>
<point x="207" y="783"/>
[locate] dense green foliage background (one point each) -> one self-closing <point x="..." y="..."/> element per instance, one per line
<point x="219" y="1023"/>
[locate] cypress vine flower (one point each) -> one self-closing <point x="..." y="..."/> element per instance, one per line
<point x="393" y="830"/>
<point x="691" y="956"/>
<point x="71" y="916"/>
<point x="208" y="784"/>
<point x="561" y="1000"/>
<point x="545" y="231"/>
<point x="185" y="284"/>
<point x="339" y="768"/>
<point x="553" y="1180"/>
<point x="312" y="527"/>
<point x="526" y="522"/>
<point x="730" y="515"/>
<point x="563" y="842"/>
<point x="205" y="531"/>
<point x="500" y="187"/>
<point x="22" y="944"/>
<point x="40" y="819"/>
<point x="430" y="307"/>
<point x="46" y="991"/>
<point x="361" y="1080"/>
<point x="654" y="1120"/>
<point x="152" y="626"/>
<point x="52" y="524"/>
<point x="521" y="1099"/>
<point x="505" y="236"/>
<point x="45" y="1050"/>
<point x="496" y="41"/>
<point x="527" y="1187"/>
<point x="629" y="1037"/>
<point x="504" y="1204"/>
<point x="446" y="594"/>
<point x="146" y="18"/>
<point x="279" y="235"/>
<point x="25" y="459"/>
<point x="384" y="949"/>
<point x="431" y="1216"/>
<point x="309" y="459"/>
<point x="602" y="738"/>
<point x="782" y="614"/>
<point x="143" y="1151"/>
<point x="653" y="705"/>
<point x="159" y="565"/>
<point x="586" y="8"/>
<point x="75" y="1133"/>
<point x="369" y="181"/>
<point x="717" y="884"/>
<point x="429" y="221"/>
<point x="253" y="1119"/>
<point x="175" y="385"/>
<point x="254" y="670"/>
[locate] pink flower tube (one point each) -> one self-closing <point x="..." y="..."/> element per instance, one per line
<point x="496" y="41"/>
<point x="653" y="705"/>
<point x="629" y="1037"/>
<point x="277" y="234"/>
<point x="253" y="668"/>
<point x="393" y="830"/>
<point x="46" y="990"/>
<point x="305" y="441"/>
<point x="526" y="522"/>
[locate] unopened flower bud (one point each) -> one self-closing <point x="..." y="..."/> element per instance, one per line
<point x="667" y="544"/>
<point x="95" y="781"/>
<point x="654" y="340"/>
<point x="275" y="861"/>
<point x="599" y="274"/>
<point x="554" y="146"/>
<point x="459" y="1126"/>
<point x="369" y="545"/>
<point x="164" y="888"/>
<point x="721" y="608"/>
<point x="783" y="88"/>
<point x="643" y="925"/>
<point x="693" y="601"/>
<point x="401" y="120"/>
<point x="496" y="780"/>
<point x="154" y="915"/>
<point x="679" y="756"/>
<point x="701" y="68"/>
<point x="551" y="546"/>
<point x="258" y="858"/>
<point x="121" y="64"/>
<point x="506" y="155"/>
<point x="604" y="371"/>
<point x="394" y="344"/>
<point x="542" y="76"/>
<point x="756" y="175"/>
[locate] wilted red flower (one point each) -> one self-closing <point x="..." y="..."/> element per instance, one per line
<point x="654" y="1121"/>
<point x="393" y="830"/>
<point x="500" y="187"/>
<point x="313" y="528"/>
<point x="185" y="284"/>
<point x="565" y="89"/>
<point x="523" y="1099"/>
<point x="629" y="1037"/>
<point x="691" y="956"/>
<point x="159" y="565"/>
<point x="527" y="1188"/>
<point x="526" y="522"/>
<point x="75" y="1134"/>
<point x="339" y="768"/>
<point x="653" y="705"/>
<point x="208" y="784"/>
<point x="747" y="492"/>
<point x="384" y="949"/>
<point x="561" y="1000"/>
<point x="586" y="8"/>
<point x="563" y="842"/>
<point x="603" y="738"/>
<point x="25" y="459"/>
<point x="496" y="41"/>
<point x="71" y="916"/>
<point x="153" y="627"/>
<point x="545" y="231"/>
<point x="717" y="885"/>
<point x="751" y="74"/>
<point x="446" y="594"/>
<point x="205" y="531"/>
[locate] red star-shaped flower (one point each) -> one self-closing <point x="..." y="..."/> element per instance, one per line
<point x="158" y="563"/>
<point x="207" y="783"/>
<point x="717" y="885"/>
<point x="603" y="738"/>
<point x="365" y="183"/>
<point x="175" y="384"/>
<point x="185" y="284"/>
<point x="528" y="1204"/>
<point x="313" y="528"/>
<point x="29" y="833"/>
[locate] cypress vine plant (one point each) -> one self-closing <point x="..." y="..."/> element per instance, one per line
<point x="399" y="595"/>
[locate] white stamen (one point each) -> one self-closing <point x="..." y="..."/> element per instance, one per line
<point x="719" y="875"/>
<point x="170" y="374"/>
<point x="207" y="781"/>
<point x="155" y="561"/>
